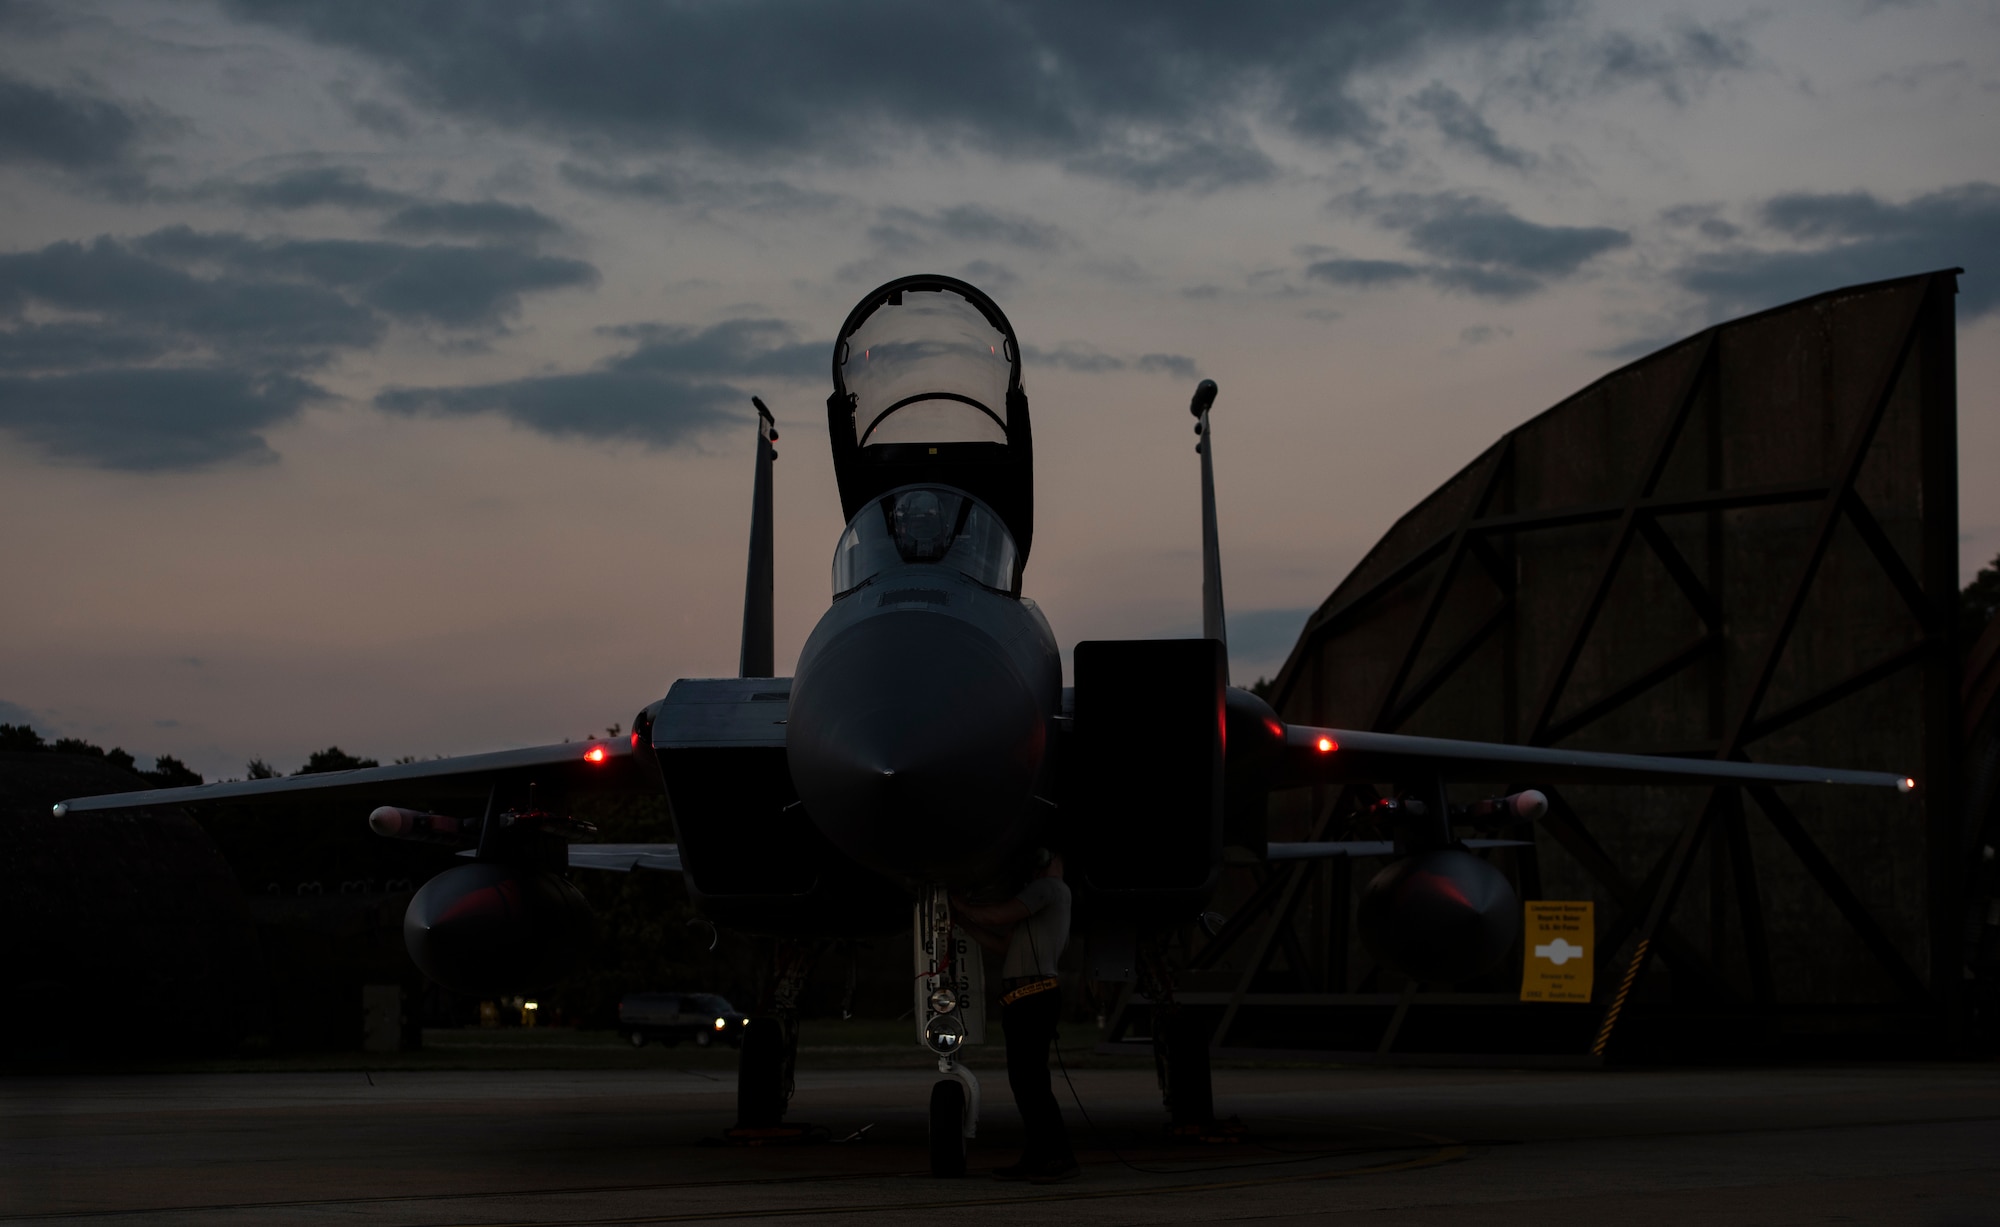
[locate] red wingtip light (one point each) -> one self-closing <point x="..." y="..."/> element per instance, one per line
<point x="594" y="755"/>
<point x="1327" y="745"/>
<point x="635" y="739"/>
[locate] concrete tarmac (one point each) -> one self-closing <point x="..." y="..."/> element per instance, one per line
<point x="1852" y="1144"/>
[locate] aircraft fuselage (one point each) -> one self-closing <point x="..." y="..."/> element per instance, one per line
<point x="920" y="723"/>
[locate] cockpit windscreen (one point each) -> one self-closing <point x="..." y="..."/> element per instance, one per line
<point x="926" y="367"/>
<point x="925" y="524"/>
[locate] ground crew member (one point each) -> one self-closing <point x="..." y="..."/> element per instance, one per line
<point x="1030" y="930"/>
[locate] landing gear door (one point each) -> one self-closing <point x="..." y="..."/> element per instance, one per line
<point x="946" y="958"/>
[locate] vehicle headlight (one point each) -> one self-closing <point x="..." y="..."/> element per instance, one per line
<point x="719" y="1024"/>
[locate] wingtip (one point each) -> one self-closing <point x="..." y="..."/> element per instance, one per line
<point x="59" y="809"/>
<point x="1906" y="784"/>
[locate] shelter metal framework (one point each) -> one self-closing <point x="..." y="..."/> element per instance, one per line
<point x="1743" y="545"/>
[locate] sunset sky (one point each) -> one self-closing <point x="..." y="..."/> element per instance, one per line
<point x="378" y="374"/>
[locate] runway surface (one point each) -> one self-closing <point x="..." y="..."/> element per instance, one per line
<point x="1864" y="1144"/>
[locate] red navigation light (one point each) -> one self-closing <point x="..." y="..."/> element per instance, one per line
<point x="635" y="739"/>
<point x="594" y="755"/>
<point x="1327" y="745"/>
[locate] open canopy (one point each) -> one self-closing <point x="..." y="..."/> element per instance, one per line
<point x="927" y="391"/>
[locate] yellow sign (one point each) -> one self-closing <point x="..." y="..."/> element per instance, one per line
<point x="1558" y="947"/>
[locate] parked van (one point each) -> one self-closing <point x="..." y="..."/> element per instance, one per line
<point x="672" y="1017"/>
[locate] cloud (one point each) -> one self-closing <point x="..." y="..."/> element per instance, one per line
<point x="138" y="295"/>
<point x="1479" y="246"/>
<point x="381" y="118"/>
<point x="310" y="187"/>
<point x="178" y="348"/>
<point x="1471" y="230"/>
<point x="738" y="348"/>
<point x="1340" y="271"/>
<point x="1843" y="238"/>
<point x="1177" y="365"/>
<point x="1480" y="334"/>
<point x="479" y="219"/>
<point x="27" y="348"/>
<point x="1678" y="64"/>
<point x="1089" y="360"/>
<point x="672" y="387"/>
<point x="646" y="407"/>
<point x="460" y="286"/>
<point x="1071" y="356"/>
<point x="1191" y="163"/>
<point x="1463" y="127"/>
<point x="148" y="419"/>
<point x="1483" y="282"/>
<point x="1158" y="96"/>
<point x="94" y="140"/>
<point x="666" y="186"/>
<point x="988" y="275"/>
<point x="1707" y="219"/>
<point x="902" y="229"/>
<point x="905" y="234"/>
<point x="347" y="188"/>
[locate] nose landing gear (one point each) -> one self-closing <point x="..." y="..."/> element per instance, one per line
<point x="954" y="1117"/>
<point x="951" y="1012"/>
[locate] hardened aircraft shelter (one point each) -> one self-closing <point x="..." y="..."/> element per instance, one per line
<point x="1741" y="546"/>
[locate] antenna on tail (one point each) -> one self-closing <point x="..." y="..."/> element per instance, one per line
<point x="758" y="657"/>
<point x="1212" y="626"/>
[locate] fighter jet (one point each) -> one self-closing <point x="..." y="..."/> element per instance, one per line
<point x="927" y="744"/>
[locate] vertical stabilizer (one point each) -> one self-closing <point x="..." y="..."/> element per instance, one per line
<point x="1212" y="624"/>
<point x="759" y="652"/>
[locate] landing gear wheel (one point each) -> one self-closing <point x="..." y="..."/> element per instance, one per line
<point x="760" y="1076"/>
<point x="948" y="1127"/>
<point x="638" y="1039"/>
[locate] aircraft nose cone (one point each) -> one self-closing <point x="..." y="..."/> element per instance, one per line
<point x="914" y="744"/>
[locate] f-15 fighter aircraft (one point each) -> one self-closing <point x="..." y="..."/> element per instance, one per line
<point x="927" y="744"/>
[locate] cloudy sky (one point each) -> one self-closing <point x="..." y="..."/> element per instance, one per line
<point x="379" y="374"/>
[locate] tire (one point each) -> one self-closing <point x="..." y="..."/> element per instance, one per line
<point x="638" y="1038"/>
<point x="703" y="1039"/>
<point x="948" y="1128"/>
<point x="760" y="1076"/>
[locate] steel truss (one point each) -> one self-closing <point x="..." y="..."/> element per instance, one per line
<point x="1468" y="634"/>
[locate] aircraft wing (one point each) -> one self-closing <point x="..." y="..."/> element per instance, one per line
<point x="624" y="858"/>
<point x="594" y="766"/>
<point x="1338" y="756"/>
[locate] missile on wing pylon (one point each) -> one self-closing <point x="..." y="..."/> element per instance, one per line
<point x="395" y="823"/>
